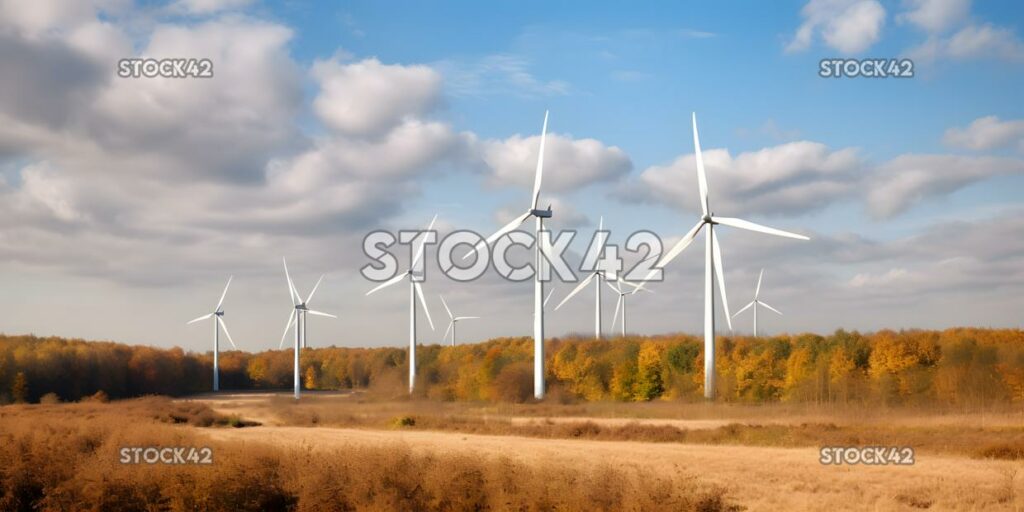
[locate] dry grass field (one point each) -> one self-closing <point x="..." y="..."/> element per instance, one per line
<point x="345" y="451"/>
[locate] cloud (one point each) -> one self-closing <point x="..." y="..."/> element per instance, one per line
<point x="786" y="179"/>
<point x="910" y="179"/>
<point x="398" y="92"/>
<point x="848" y="26"/>
<point x="497" y="74"/>
<point x="987" y="133"/>
<point x="935" y="15"/>
<point x="206" y="7"/>
<point x="569" y="163"/>
<point x="972" y="42"/>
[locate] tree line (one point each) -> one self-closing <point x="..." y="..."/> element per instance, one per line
<point x="959" y="367"/>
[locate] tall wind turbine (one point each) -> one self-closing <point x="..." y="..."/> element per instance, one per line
<point x="756" y="302"/>
<point x="297" y="317"/>
<point x="597" y="275"/>
<point x="539" y="249"/>
<point x="620" y="303"/>
<point x="415" y="290"/>
<point x="454" y="320"/>
<point x="713" y="262"/>
<point x="218" y="324"/>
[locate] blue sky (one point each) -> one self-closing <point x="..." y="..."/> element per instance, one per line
<point x="327" y="120"/>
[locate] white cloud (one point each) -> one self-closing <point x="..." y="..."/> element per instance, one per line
<point x="397" y="92"/>
<point x="790" y="178"/>
<point x="987" y="133"/>
<point x="910" y="179"/>
<point x="935" y="15"/>
<point x="206" y="7"/>
<point x="848" y="26"/>
<point x="497" y="74"/>
<point x="569" y="163"/>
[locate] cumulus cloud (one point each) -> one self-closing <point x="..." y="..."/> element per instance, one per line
<point x="935" y="15"/>
<point x="497" y="74"/>
<point x="986" y="133"/>
<point x="985" y="41"/>
<point x="848" y="26"/>
<point x="569" y="163"/>
<point x="397" y="92"/>
<point x="790" y="178"/>
<point x="205" y="7"/>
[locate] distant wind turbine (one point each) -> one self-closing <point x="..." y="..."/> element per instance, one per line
<point x="415" y="290"/>
<point x="454" y="320"/>
<point x="539" y="248"/>
<point x="756" y="302"/>
<point x="620" y="303"/>
<point x="597" y="275"/>
<point x="298" y="318"/>
<point x="713" y="262"/>
<point x="218" y="324"/>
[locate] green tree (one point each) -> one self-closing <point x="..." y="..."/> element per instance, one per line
<point x="649" y="384"/>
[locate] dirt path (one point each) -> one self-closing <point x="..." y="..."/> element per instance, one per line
<point x="759" y="478"/>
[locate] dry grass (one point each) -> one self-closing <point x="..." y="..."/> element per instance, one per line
<point x="65" y="457"/>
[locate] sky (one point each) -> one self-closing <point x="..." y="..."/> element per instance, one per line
<point x="126" y="203"/>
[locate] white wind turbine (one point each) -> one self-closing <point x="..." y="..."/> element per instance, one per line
<point x="713" y="262"/>
<point x="597" y="275"/>
<point x="454" y="320"/>
<point x="620" y="303"/>
<point x="218" y="324"/>
<point x="297" y="317"/>
<point x="756" y="302"/>
<point x="539" y="248"/>
<point x="415" y="290"/>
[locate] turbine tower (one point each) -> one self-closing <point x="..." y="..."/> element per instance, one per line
<point x="539" y="249"/>
<point x="218" y="324"/>
<point x="597" y="275"/>
<point x="712" y="262"/>
<point x="454" y="320"/>
<point x="415" y="290"/>
<point x="756" y="302"/>
<point x="297" y="317"/>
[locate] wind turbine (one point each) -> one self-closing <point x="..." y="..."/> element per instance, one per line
<point x="218" y="324"/>
<point x="713" y="262"/>
<point x="298" y="318"/>
<point x="620" y="303"/>
<point x="415" y="290"/>
<point x="755" y="303"/>
<point x="597" y="275"/>
<point x="454" y="320"/>
<point x="539" y="248"/>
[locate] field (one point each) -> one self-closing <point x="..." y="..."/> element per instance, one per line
<point x="341" y="451"/>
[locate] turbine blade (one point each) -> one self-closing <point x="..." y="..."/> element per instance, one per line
<point x="423" y="244"/>
<point x="676" y="249"/>
<point x="423" y="302"/>
<point x="225" y="294"/>
<point x="291" y="320"/>
<point x="511" y="226"/>
<point x="538" y="176"/>
<point x="716" y="251"/>
<point x="291" y="286"/>
<point x="582" y="285"/>
<point x="225" y="327"/>
<point x="734" y="315"/>
<point x="461" y="318"/>
<point x="615" y="315"/>
<point x="204" y="317"/>
<point x="320" y="313"/>
<point x="448" y="330"/>
<point x="546" y="299"/>
<point x="445" y="304"/>
<point x="769" y="307"/>
<point x="746" y="224"/>
<point x="389" y="282"/>
<point x="312" y="293"/>
<point x="614" y="287"/>
<point x="757" y="291"/>
<point x="702" y="177"/>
